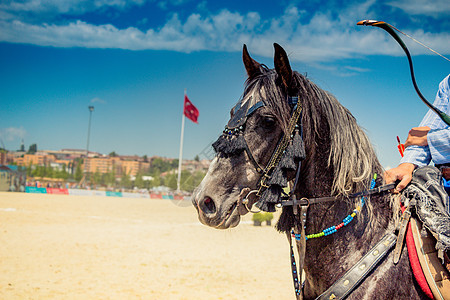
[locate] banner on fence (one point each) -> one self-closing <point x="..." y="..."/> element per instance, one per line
<point x="57" y="191"/>
<point x="135" y="195"/>
<point x="99" y="193"/>
<point x="32" y="189"/>
<point x="113" y="194"/>
<point x="80" y="192"/>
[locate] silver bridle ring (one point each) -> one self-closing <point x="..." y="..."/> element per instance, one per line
<point x="245" y="202"/>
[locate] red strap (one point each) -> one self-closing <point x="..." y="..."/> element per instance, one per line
<point x="414" y="261"/>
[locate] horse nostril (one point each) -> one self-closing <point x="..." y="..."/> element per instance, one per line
<point x="207" y="206"/>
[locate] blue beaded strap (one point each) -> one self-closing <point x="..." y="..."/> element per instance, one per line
<point x="345" y="222"/>
<point x="294" y="273"/>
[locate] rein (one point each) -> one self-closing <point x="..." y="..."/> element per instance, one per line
<point x="309" y="201"/>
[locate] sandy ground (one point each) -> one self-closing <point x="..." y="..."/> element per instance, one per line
<point x="79" y="247"/>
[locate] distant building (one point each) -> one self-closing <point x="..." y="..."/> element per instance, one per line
<point x="132" y="167"/>
<point x="35" y="159"/>
<point x="195" y="166"/>
<point x="118" y="164"/>
<point x="76" y="153"/>
<point x="99" y="164"/>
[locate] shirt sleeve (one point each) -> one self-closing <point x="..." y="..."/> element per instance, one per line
<point x="438" y="148"/>
<point x="420" y="156"/>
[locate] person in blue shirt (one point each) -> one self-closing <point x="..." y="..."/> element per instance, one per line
<point x="428" y="142"/>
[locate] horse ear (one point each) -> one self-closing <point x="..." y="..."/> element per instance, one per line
<point x="252" y="67"/>
<point x="282" y="65"/>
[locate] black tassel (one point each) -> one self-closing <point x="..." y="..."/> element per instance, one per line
<point x="298" y="146"/>
<point x="219" y="144"/>
<point x="239" y="143"/>
<point x="278" y="177"/>
<point x="269" y="198"/>
<point x="229" y="144"/>
<point x="294" y="152"/>
<point x="265" y="206"/>
<point x="286" y="221"/>
<point x="287" y="160"/>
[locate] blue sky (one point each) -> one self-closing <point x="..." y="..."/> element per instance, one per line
<point x="132" y="60"/>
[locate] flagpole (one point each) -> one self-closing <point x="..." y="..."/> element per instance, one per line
<point x="180" y="158"/>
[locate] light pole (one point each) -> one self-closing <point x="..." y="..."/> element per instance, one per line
<point x="91" y="109"/>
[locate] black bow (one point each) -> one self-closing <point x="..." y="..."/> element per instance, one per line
<point x="390" y="29"/>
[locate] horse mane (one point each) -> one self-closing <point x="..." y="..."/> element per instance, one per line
<point x="351" y="155"/>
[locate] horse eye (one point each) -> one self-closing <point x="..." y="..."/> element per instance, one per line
<point x="268" y="122"/>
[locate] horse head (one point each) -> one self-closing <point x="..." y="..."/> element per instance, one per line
<point x="246" y="153"/>
<point x="256" y="124"/>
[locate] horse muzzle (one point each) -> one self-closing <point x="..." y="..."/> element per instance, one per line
<point x="220" y="216"/>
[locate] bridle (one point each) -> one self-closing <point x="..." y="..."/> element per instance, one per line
<point x="293" y="125"/>
<point x="235" y="129"/>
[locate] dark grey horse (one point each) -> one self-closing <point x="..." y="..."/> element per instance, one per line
<point x="339" y="160"/>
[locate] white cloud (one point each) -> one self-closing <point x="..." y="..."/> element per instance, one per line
<point x="433" y="8"/>
<point x="63" y="7"/>
<point x="56" y="7"/>
<point x="12" y="133"/>
<point x="357" y="69"/>
<point x="323" y="37"/>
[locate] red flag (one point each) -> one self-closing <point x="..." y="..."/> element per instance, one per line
<point x="190" y="111"/>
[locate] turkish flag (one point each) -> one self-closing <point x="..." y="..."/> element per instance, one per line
<point x="190" y="111"/>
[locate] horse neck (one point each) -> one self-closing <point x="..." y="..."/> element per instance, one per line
<point x="327" y="258"/>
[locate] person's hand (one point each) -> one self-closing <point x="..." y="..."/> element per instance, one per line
<point x="417" y="136"/>
<point x="403" y="173"/>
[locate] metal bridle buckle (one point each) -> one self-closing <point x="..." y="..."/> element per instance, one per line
<point x="296" y="203"/>
<point x="245" y="201"/>
<point x="307" y="201"/>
